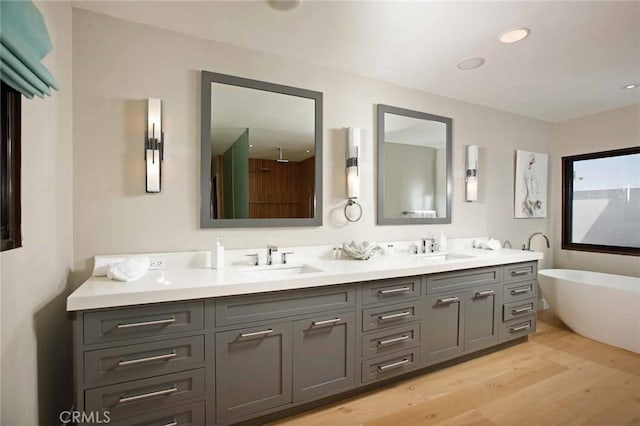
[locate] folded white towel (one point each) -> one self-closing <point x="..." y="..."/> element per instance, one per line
<point x="101" y="264"/>
<point x="493" y="244"/>
<point x="128" y="270"/>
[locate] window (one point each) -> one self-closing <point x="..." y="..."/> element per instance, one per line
<point x="10" y="168"/>
<point x="601" y="202"/>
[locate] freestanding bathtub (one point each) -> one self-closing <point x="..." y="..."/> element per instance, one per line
<point x="602" y="307"/>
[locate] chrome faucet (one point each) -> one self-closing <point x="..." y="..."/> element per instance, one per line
<point x="270" y="250"/>
<point x="528" y="246"/>
<point x="432" y="243"/>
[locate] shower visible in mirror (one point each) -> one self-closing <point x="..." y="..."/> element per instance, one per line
<point x="262" y="146"/>
<point x="414" y="167"/>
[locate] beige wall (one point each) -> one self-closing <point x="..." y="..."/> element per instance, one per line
<point x="36" y="351"/>
<point x="615" y="129"/>
<point x="117" y="64"/>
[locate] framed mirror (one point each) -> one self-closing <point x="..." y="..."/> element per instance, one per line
<point x="261" y="151"/>
<point x="414" y="167"/>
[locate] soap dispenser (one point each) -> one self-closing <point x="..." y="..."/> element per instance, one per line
<point x="217" y="255"/>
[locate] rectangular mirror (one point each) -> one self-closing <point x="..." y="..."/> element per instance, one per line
<point x="414" y="167"/>
<point x="261" y="154"/>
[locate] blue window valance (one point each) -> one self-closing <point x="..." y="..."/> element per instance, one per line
<point x="24" y="41"/>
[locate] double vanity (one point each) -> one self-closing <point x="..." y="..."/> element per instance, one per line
<point x="189" y="345"/>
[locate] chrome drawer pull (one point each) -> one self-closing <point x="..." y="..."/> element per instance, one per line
<point x="393" y="365"/>
<point x="123" y="363"/>
<point x="394" y="316"/>
<point x="142" y="396"/>
<point x="447" y="300"/>
<point x="393" y="341"/>
<point x="147" y="323"/>
<point x="522" y="290"/>
<point x="520" y="310"/>
<point x="394" y="290"/>
<point x="519" y="328"/>
<point x="256" y="333"/>
<point x="485" y="293"/>
<point x="326" y="322"/>
<point x="520" y="272"/>
<point x="173" y="423"/>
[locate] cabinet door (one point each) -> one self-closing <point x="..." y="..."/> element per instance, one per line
<point x="443" y="326"/>
<point x="323" y="355"/>
<point x="481" y="317"/>
<point x="253" y="370"/>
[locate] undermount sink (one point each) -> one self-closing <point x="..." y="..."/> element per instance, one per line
<point x="439" y="257"/>
<point x="279" y="271"/>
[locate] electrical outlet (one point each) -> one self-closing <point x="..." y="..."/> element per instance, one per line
<point x="157" y="263"/>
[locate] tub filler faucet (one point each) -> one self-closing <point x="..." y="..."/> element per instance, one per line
<point x="528" y="245"/>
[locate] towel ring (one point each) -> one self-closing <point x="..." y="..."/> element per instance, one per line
<point x="352" y="202"/>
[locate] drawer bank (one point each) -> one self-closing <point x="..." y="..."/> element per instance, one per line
<point x="225" y="360"/>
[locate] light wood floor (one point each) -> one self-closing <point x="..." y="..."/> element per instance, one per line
<point x="556" y="378"/>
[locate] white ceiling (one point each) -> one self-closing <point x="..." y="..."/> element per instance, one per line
<point x="575" y="61"/>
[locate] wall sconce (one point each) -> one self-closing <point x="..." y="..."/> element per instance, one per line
<point x="353" y="177"/>
<point x="154" y="145"/>
<point x="471" y="179"/>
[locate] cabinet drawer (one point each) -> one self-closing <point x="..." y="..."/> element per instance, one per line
<point x="520" y="271"/>
<point x="460" y="280"/>
<point x="144" y="360"/>
<point x="390" y="315"/>
<point x="139" y="322"/>
<point x="518" y="327"/>
<point x="140" y="396"/>
<point x="238" y="310"/>
<point x="519" y="309"/>
<point x="182" y="415"/>
<point x="390" y="340"/>
<point x="519" y="291"/>
<point x="393" y="290"/>
<point x="390" y="365"/>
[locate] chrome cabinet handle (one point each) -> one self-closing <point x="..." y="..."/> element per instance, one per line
<point x="393" y="341"/>
<point x="393" y="365"/>
<point x="521" y="290"/>
<point x="394" y="316"/>
<point x="142" y="396"/>
<point x="519" y="328"/>
<point x="123" y="363"/>
<point x="447" y="300"/>
<point x="325" y="322"/>
<point x="173" y="423"/>
<point x="520" y="310"/>
<point x="520" y="272"/>
<point x="484" y="293"/>
<point x="147" y="323"/>
<point x="256" y="333"/>
<point x="394" y="290"/>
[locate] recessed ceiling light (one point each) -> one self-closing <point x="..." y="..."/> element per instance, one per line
<point x="514" y="35"/>
<point x="470" y="63"/>
<point x="284" y="5"/>
<point x="631" y="86"/>
<point x="308" y="151"/>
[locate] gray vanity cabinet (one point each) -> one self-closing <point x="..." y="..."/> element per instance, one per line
<point x="225" y="360"/>
<point x="462" y="313"/>
<point x="443" y="326"/>
<point x="253" y="370"/>
<point x="482" y="317"/>
<point x="323" y="355"/>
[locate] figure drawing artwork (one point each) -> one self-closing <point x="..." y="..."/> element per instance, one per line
<point x="531" y="184"/>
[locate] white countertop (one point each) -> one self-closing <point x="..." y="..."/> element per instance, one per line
<point x="187" y="283"/>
